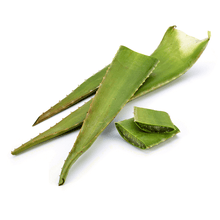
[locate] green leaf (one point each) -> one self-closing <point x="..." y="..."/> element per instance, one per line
<point x="117" y="87"/>
<point x="64" y="126"/>
<point x="177" y="52"/>
<point x="86" y="89"/>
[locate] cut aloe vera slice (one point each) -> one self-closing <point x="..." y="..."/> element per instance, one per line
<point x="150" y="120"/>
<point x="137" y="137"/>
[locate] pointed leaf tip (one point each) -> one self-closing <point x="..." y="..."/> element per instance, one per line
<point x="36" y="122"/>
<point x="61" y="181"/>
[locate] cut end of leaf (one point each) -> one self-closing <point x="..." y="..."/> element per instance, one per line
<point x="150" y="120"/>
<point x="128" y="137"/>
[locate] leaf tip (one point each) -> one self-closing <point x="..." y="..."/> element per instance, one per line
<point x="61" y="181"/>
<point x="12" y="152"/>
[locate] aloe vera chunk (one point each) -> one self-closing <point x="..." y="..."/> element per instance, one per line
<point x="137" y="137"/>
<point x="118" y="85"/>
<point x="149" y="120"/>
<point x="173" y="46"/>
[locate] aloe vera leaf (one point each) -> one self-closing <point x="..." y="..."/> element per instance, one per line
<point x="137" y="137"/>
<point x="86" y="89"/>
<point x="154" y="81"/>
<point x="177" y="52"/>
<point x="149" y="120"/>
<point x="67" y="124"/>
<point x="118" y="85"/>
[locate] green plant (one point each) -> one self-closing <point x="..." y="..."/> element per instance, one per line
<point x="177" y="52"/>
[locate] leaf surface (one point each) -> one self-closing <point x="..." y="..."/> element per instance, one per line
<point x="86" y="89"/>
<point x="125" y="75"/>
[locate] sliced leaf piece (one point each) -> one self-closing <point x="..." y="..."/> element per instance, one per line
<point x="149" y="120"/>
<point x="126" y="73"/>
<point x="137" y="137"/>
<point x="167" y="70"/>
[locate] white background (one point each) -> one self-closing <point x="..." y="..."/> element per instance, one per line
<point x="47" y="48"/>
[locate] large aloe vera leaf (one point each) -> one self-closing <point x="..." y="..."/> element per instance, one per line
<point x="137" y="137"/>
<point x="177" y="52"/>
<point x="125" y="75"/>
<point x="89" y="87"/>
<point x="174" y="45"/>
